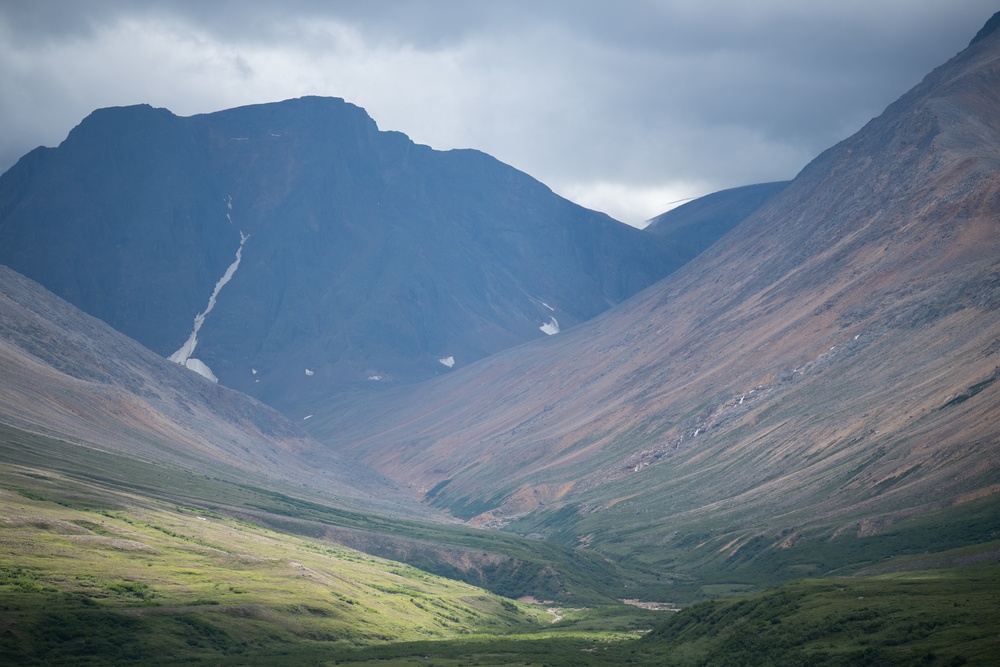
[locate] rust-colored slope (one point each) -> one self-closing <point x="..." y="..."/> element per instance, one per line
<point x="807" y="365"/>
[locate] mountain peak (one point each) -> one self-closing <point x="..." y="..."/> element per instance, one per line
<point x="120" y="118"/>
<point x="991" y="26"/>
<point x="300" y="249"/>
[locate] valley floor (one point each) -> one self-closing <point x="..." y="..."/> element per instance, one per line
<point x="92" y="575"/>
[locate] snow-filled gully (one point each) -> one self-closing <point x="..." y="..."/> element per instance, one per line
<point x="183" y="355"/>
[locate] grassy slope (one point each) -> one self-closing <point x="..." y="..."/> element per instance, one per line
<point x="107" y="559"/>
<point x="928" y="616"/>
<point x="945" y="615"/>
<point x="706" y="559"/>
<point x="512" y="566"/>
<point x="85" y="571"/>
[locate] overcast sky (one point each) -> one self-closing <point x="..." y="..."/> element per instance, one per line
<point x="622" y="106"/>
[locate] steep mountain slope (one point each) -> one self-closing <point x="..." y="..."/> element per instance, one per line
<point x="827" y="369"/>
<point x="68" y="375"/>
<point x="698" y="224"/>
<point x="289" y="249"/>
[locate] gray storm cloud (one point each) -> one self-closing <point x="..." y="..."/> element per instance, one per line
<point x="623" y="107"/>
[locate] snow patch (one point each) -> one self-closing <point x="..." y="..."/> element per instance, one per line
<point x="307" y="417"/>
<point x="548" y="306"/>
<point x="551" y="327"/>
<point x="254" y="371"/>
<point x="374" y="378"/>
<point x="199" y="367"/>
<point x="310" y="372"/>
<point x="448" y="361"/>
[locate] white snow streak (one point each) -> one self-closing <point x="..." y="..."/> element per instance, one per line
<point x="448" y="361"/>
<point x="183" y="355"/>
<point x="551" y="327"/>
<point x="310" y="372"/>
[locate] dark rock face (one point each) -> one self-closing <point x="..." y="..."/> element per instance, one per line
<point x="363" y="257"/>
<point x="700" y="223"/>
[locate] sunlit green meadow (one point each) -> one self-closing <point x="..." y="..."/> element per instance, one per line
<point x="157" y="580"/>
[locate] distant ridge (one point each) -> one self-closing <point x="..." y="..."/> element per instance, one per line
<point x="698" y="224"/>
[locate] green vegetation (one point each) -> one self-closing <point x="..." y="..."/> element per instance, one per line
<point x="918" y="617"/>
<point x="926" y="617"/>
<point x="672" y="553"/>
<point x="697" y="566"/>
<point x="150" y="579"/>
<point x="500" y="562"/>
<point x="107" y="560"/>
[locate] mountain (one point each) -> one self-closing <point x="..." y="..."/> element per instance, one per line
<point x="698" y="224"/>
<point x="292" y="249"/>
<point x="815" y="394"/>
<point x="802" y="395"/>
<point x="69" y="376"/>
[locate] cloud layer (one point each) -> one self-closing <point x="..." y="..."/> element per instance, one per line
<point x="624" y="107"/>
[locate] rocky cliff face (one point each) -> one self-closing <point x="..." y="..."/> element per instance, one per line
<point x="830" y="362"/>
<point x="291" y="249"/>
